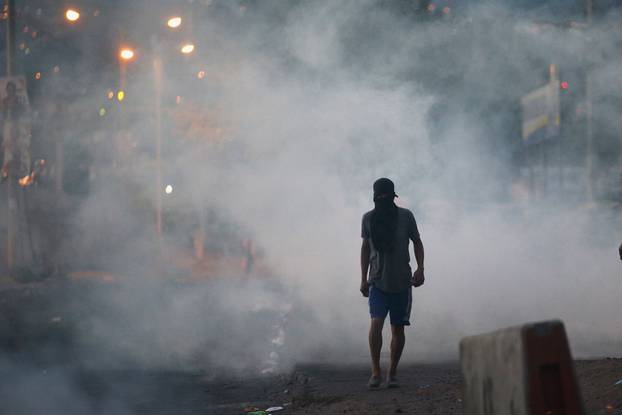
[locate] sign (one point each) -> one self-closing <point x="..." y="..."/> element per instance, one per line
<point x="541" y="116"/>
<point x="16" y="126"/>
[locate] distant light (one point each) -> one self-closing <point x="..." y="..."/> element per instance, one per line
<point x="121" y="95"/>
<point x="187" y="49"/>
<point x="168" y="189"/>
<point x="27" y="51"/>
<point x="110" y="94"/>
<point x="201" y="74"/>
<point x="178" y="99"/>
<point x="126" y="54"/>
<point x="34" y="34"/>
<point x="96" y="13"/>
<point x="102" y="112"/>
<point x="27" y="180"/>
<point x="22" y="46"/>
<point x="56" y="69"/>
<point x="38" y="76"/>
<point x="564" y="85"/>
<point x="72" y="15"/>
<point x="431" y="7"/>
<point x="446" y="10"/>
<point x="174" y="22"/>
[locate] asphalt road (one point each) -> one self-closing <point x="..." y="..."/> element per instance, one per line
<point x="309" y="389"/>
<point x="39" y="376"/>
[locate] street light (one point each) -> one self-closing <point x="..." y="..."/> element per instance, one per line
<point x="187" y="48"/>
<point x="126" y="54"/>
<point x="72" y="15"/>
<point x="174" y="22"/>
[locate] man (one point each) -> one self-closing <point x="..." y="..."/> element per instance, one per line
<point x="387" y="231"/>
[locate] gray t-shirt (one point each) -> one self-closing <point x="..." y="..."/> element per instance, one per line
<point x="390" y="271"/>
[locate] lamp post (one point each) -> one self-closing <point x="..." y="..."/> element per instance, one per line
<point x="589" y="134"/>
<point x="9" y="141"/>
<point x="157" y="84"/>
<point x="126" y="55"/>
<point x="187" y="48"/>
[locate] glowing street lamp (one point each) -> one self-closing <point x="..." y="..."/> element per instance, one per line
<point x="126" y="54"/>
<point x="187" y="48"/>
<point x="174" y="22"/>
<point x="72" y="15"/>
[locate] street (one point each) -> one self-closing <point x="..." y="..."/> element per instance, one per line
<point x="428" y="389"/>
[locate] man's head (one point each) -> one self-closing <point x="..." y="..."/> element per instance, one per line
<point x="384" y="189"/>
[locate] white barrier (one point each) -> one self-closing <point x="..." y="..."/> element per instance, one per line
<point x="524" y="370"/>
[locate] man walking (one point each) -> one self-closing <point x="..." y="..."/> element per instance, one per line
<point x="387" y="231"/>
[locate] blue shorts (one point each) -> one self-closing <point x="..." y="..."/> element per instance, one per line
<point x="398" y="305"/>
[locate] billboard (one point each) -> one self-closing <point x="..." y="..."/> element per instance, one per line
<point x="541" y="114"/>
<point x="16" y="126"/>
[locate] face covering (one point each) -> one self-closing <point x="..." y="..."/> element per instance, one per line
<point x="384" y="224"/>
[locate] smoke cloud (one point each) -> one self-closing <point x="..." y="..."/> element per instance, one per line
<point x="307" y="105"/>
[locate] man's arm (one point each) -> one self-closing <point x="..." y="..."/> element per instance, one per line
<point x="418" y="275"/>
<point x="419" y="254"/>
<point x="365" y="251"/>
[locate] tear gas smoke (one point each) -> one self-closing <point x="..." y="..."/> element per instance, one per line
<point x="312" y="103"/>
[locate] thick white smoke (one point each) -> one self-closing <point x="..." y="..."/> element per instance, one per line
<point x="315" y="102"/>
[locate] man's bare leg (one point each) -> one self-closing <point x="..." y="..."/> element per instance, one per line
<point x="375" y="344"/>
<point x="397" y="346"/>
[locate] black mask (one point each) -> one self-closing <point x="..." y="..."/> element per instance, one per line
<point x="384" y="224"/>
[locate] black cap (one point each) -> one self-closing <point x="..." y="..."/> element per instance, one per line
<point x="384" y="186"/>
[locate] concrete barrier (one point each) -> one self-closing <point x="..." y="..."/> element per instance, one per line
<point x="524" y="370"/>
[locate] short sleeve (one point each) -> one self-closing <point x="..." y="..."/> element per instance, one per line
<point x="365" y="234"/>
<point x="413" y="230"/>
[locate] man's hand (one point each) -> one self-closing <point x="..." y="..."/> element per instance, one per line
<point x="418" y="278"/>
<point x="365" y="288"/>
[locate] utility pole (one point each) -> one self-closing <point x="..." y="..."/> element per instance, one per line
<point x="553" y="112"/>
<point x="589" y="134"/>
<point x="157" y="80"/>
<point x="10" y="141"/>
<point x="589" y="6"/>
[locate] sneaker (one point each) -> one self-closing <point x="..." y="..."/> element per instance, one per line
<point x="392" y="382"/>
<point x="374" y="382"/>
